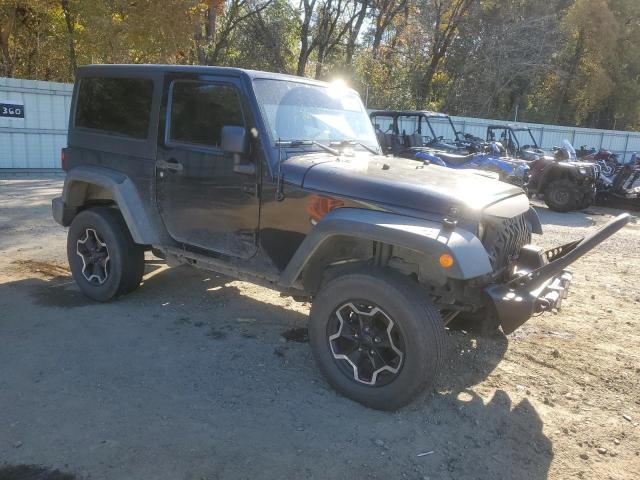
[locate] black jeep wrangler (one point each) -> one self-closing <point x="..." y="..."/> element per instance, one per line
<point x="277" y="180"/>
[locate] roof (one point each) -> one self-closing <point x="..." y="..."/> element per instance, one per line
<point x="123" y="69"/>
<point x="394" y="113"/>
<point x="511" y="126"/>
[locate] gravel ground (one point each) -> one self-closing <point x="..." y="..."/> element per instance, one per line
<point x="190" y="377"/>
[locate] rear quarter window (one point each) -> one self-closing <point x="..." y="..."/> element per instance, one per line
<point x="117" y="106"/>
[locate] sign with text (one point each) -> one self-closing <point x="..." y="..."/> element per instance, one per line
<point x="11" y="109"/>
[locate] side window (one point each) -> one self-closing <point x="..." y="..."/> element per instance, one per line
<point x="200" y="110"/>
<point x="118" y="106"/>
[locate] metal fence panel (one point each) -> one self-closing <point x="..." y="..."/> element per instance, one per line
<point x="34" y="141"/>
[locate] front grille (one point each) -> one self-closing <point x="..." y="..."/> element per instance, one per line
<point x="503" y="239"/>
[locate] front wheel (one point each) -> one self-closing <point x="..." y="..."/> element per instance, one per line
<point x="376" y="337"/>
<point x="562" y="195"/>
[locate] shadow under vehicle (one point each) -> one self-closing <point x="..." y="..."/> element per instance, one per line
<point x="565" y="183"/>
<point x="279" y="180"/>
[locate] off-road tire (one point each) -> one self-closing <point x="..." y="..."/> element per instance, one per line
<point x="420" y="327"/>
<point x="586" y="201"/>
<point x="126" y="258"/>
<point x="562" y="195"/>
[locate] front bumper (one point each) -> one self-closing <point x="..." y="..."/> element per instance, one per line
<point x="540" y="281"/>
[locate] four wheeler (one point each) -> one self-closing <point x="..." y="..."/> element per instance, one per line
<point x="622" y="185"/>
<point x="431" y="136"/>
<point x="510" y="171"/>
<point x="565" y="183"/>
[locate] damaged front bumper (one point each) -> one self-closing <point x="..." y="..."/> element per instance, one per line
<point x="541" y="281"/>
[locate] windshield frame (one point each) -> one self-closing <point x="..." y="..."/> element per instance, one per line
<point x="272" y="143"/>
<point x="427" y="117"/>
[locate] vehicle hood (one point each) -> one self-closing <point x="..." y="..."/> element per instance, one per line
<point x="398" y="182"/>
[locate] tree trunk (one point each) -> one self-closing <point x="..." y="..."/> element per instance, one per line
<point x="73" y="65"/>
<point x="353" y="34"/>
<point x="573" y="68"/>
<point x="5" y="33"/>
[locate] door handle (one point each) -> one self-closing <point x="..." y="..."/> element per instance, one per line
<point x="172" y="164"/>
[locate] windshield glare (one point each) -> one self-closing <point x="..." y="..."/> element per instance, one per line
<point x="298" y="111"/>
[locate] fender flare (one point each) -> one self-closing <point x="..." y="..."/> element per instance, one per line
<point x="124" y="194"/>
<point x="551" y="169"/>
<point x="470" y="257"/>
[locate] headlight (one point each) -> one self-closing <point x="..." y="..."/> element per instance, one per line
<point x="582" y="170"/>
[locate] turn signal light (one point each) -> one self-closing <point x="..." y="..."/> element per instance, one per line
<point x="446" y="260"/>
<point x="319" y="206"/>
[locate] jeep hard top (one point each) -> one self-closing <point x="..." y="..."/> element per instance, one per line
<point x="279" y="180"/>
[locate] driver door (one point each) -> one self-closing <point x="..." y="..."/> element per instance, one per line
<point x="203" y="202"/>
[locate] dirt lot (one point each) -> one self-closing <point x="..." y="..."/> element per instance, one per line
<point x="190" y="377"/>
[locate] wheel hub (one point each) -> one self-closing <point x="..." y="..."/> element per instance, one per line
<point x="366" y="343"/>
<point x="95" y="257"/>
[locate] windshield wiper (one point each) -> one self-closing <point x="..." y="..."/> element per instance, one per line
<point x="300" y="143"/>
<point x="348" y="143"/>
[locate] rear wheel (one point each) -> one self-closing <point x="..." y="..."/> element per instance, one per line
<point x="376" y="338"/>
<point x="103" y="258"/>
<point x="562" y="195"/>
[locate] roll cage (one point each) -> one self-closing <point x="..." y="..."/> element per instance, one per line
<point x="507" y="135"/>
<point x="424" y="124"/>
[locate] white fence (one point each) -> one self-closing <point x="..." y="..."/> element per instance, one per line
<point x="33" y="127"/>
<point x="33" y="123"/>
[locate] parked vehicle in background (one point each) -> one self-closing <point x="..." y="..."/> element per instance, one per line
<point x="279" y="180"/>
<point x="606" y="159"/>
<point x="565" y="183"/>
<point x="623" y="185"/>
<point x="404" y="132"/>
<point x="432" y="137"/>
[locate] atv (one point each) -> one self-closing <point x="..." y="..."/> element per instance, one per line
<point x="565" y="183"/>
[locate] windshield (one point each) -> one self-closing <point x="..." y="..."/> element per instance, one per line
<point x="442" y="127"/>
<point x="524" y="138"/>
<point x="299" y="111"/>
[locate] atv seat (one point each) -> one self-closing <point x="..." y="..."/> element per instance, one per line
<point x="455" y="159"/>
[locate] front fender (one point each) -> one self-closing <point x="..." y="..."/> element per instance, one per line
<point x="470" y="257"/>
<point x="123" y="192"/>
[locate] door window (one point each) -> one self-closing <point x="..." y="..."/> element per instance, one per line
<point x="199" y="111"/>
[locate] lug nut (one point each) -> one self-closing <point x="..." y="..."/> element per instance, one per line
<point x="377" y="339"/>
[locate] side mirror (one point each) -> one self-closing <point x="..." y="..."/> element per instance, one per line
<point x="234" y="141"/>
